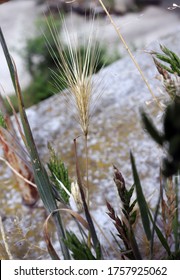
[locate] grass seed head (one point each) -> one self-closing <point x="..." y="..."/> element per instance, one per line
<point x="75" y="68"/>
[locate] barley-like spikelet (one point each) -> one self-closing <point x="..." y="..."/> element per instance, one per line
<point x="75" y="71"/>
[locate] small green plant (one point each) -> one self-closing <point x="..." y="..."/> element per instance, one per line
<point x="124" y="225"/>
<point x="79" y="249"/>
<point x="59" y="173"/>
<point x="168" y="65"/>
<point x="171" y="59"/>
<point x="2" y="121"/>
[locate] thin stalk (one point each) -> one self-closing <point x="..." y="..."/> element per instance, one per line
<point x="87" y="182"/>
<point x="86" y="210"/>
<point x="130" y="54"/>
<point x="87" y="167"/>
<point x="153" y="229"/>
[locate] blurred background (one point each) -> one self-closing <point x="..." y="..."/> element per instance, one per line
<point x="141" y="22"/>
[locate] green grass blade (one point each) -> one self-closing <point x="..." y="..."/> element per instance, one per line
<point x="154" y="224"/>
<point x="141" y="200"/>
<point x="8" y="57"/>
<point x="40" y="174"/>
<point x="160" y="236"/>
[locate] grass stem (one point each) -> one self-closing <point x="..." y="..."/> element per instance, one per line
<point x="130" y="54"/>
<point x="87" y="167"/>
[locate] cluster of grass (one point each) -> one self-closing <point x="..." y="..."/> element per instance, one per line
<point x="57" y="185"/>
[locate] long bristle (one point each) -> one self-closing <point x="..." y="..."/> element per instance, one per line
<point x="75" y="71"/>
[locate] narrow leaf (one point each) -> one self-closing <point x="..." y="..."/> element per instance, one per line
<point x="160" y="236"/>
<point x="163" y="58"/>
<point x="40" y="174"/>
<point x="141" y="200"/>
